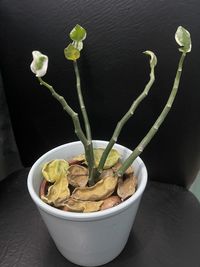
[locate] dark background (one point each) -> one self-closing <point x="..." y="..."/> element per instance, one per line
<point x="113" y="70"/>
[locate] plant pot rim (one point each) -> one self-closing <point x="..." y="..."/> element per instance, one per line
<point x="77" y="216"/>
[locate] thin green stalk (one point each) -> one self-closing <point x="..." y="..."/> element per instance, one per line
<point x="124" y="119"/>
<point x="139" y="149"/>
<point x="91" y="165"/>
<point x="81" y="102"/>
<point x="73" y="114"/>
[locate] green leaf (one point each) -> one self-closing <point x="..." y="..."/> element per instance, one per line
<point x="153" y="60"/>
<point x="71" y="53"/>
<point x="78" y="33"/>
<point x="182" y="37"/>
<point x="40" y="62"/>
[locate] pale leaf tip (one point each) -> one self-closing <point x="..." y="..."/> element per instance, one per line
<point x="153" y="60"/>
<point x="39" y="64"/>
<point x="183" y="39"/>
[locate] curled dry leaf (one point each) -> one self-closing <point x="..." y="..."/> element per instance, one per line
<point x="77" y="160"/>
<point x="110" y="202"/>
<point x="118" y="165"/>
<point x="127" y="187"/>
<point x="101" y="190"/>
<point x="57" y="193"/>
<point x="43" y="188"/>
<point x="82" y="206"/>
<point x="55" y="169"/>
<point x="77" y="176"/>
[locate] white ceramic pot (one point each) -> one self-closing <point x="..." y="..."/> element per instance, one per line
<point x="88" y="239"/>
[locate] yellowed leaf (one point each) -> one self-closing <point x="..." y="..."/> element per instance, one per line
<point x="57" y="193"/>
<point x="55" y="169"/>
<point x="111" y="160"/>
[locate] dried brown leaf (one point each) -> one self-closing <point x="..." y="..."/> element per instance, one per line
<point x="43" y="188"/>
<point x="127" y="187"/>
<point x="77" y="176"/>
<point x="77" y="160"/>
<point x="118" y="165"/>
<point x="110" y="202"/>
<point x="82" y="206"/>
<point x="101" y="190"/>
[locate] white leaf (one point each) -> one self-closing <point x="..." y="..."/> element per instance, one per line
<point x="39" y="64"/>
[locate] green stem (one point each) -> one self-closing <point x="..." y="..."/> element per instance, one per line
<point x="124" y="119"/>
<point x="91" y="165"/>
<point x="73" y="114"/>
<point x="139" y="149"/>
<point x="81" y="102"/>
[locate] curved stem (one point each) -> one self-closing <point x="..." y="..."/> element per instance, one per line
<point x="73" y="114"/>
<point x="124" y="119"/>
<point x="139" y="149"/>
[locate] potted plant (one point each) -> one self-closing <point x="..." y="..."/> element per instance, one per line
<point x="88" y="191"/>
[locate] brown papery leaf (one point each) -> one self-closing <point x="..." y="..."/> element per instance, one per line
<point x="77" y="176"/>
<point x="101" y="190"/>
<point x="77" y="160"/>
<point x="110" y="202"/>
<point x="127" y="187"/>
<point x="82" y="206"/>
<point x="118" y="165"/>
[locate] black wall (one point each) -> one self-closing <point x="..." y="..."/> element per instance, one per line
<point x="113" y="70"/>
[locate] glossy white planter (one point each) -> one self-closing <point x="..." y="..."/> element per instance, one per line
<point x="88" y="239"/>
